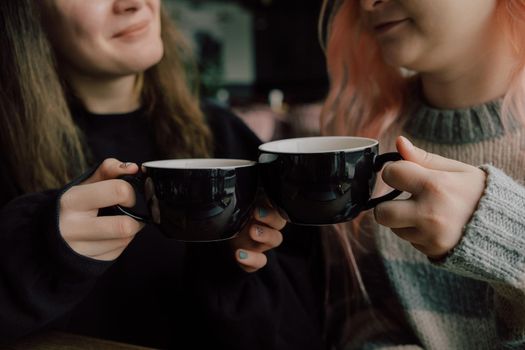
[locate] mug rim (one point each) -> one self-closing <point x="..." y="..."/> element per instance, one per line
<point x="267" y="147"/>
<point x="187" y="164"/>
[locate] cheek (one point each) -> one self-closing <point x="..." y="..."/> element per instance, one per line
<point x="82" y="29"/>
<point x="155" y="7"/>
<point x="82" y="50"/>
<point x="154" y="4"/>
<point x="80" y="47"/>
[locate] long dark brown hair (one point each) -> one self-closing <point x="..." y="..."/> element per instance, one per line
<point x="170" y="93"/>
<point x="37" y="135"/>
<point x="39" y="140"/>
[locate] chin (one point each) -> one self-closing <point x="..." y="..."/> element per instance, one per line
<point x="399" y="59"/>
<point x="397" y="63"/>
<point x="146" y="58"/>
<point x="405" y="54"/>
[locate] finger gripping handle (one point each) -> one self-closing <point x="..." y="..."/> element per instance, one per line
<point x="137" y="181"/>
<point x="379" y="163"/>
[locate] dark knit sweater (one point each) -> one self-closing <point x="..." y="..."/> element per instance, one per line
<point x="159" y="292"/>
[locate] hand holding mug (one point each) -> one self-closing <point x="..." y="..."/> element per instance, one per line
<point x="196" y="200"/>
<point x="105" y="237"/>
<point x="445" y="194"/>
<point x="262" y="234"/>
<point x="311" y="181"/>
<point x="322" y="180"/>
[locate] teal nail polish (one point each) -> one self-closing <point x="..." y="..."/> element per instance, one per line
<point x="262" y="212"/>
<point x="243" y="255"/>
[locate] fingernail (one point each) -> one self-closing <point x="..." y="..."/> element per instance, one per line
<point x="262" y="212"/>
<point x="243" y="255"/>
<point x="259" y="231"/>
<point x="125" y="165"/>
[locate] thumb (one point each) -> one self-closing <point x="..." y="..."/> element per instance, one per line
<point x="111" y="168"/>
<point x="426" y="159"/>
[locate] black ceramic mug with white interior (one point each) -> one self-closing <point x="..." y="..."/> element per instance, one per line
<point x="197" y="199"/>
<point x="322" y="180"/>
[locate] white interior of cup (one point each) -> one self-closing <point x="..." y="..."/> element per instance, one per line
<point x="319" y="144"/>
<point x="204" y="163"/>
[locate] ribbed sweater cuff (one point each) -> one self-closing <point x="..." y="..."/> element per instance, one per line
<point x="70" y="261"/>
<point x="493" y="246"/>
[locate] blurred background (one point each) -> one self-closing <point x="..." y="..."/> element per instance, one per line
<point x="261" y="58"/>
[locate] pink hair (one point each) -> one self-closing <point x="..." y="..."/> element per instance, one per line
<point x="366" y="95"/>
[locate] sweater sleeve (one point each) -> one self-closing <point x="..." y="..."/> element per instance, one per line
<point x="374" y="329"/>
<point x="493" y="250"/>
<point x="41" y="277"/>
<point x="277" y="307"/>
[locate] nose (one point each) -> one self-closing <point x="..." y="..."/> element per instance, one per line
<point x="370" y="5"/>
<point x="127" y="6"/>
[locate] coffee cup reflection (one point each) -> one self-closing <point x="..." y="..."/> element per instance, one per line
<point x="198" y="199"/>
<point x="322" y="180"/>
<point x="151" y="200"/>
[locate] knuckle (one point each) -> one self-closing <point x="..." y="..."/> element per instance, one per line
<point x="67" y="198"/>
<point x="126" y="241"/>
<point x="125" y="226"/>
<point x="123" y="191"/>
<point x="443" y="179"/>
<point x="432" y="218"/>
<point x="427" y="157"/>
<point x="433" y="184"/>
<point x="109" y="162"/>
<point x="433" y="213"/>
<point x="381" y="214"/>
<point x="106" y="166"/>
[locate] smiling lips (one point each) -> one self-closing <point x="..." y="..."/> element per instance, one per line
<point x="386" y="26"/>
<point x="132" y="30"/>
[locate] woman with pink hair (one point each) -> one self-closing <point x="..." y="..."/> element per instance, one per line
<point x="449" y="75"/>
<point x="445" y="267"/>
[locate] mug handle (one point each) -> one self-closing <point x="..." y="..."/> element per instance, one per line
<point x="378" y="164"/>
<point x="137" y="181"/>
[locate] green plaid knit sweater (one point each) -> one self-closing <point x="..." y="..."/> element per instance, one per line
<point x="475" y="298"/>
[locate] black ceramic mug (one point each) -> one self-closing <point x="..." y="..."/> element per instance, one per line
<point x="322" y="180"/>
<point x="197" y="199"/>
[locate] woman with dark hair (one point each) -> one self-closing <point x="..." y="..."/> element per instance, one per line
<point x="85" y="83"/>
